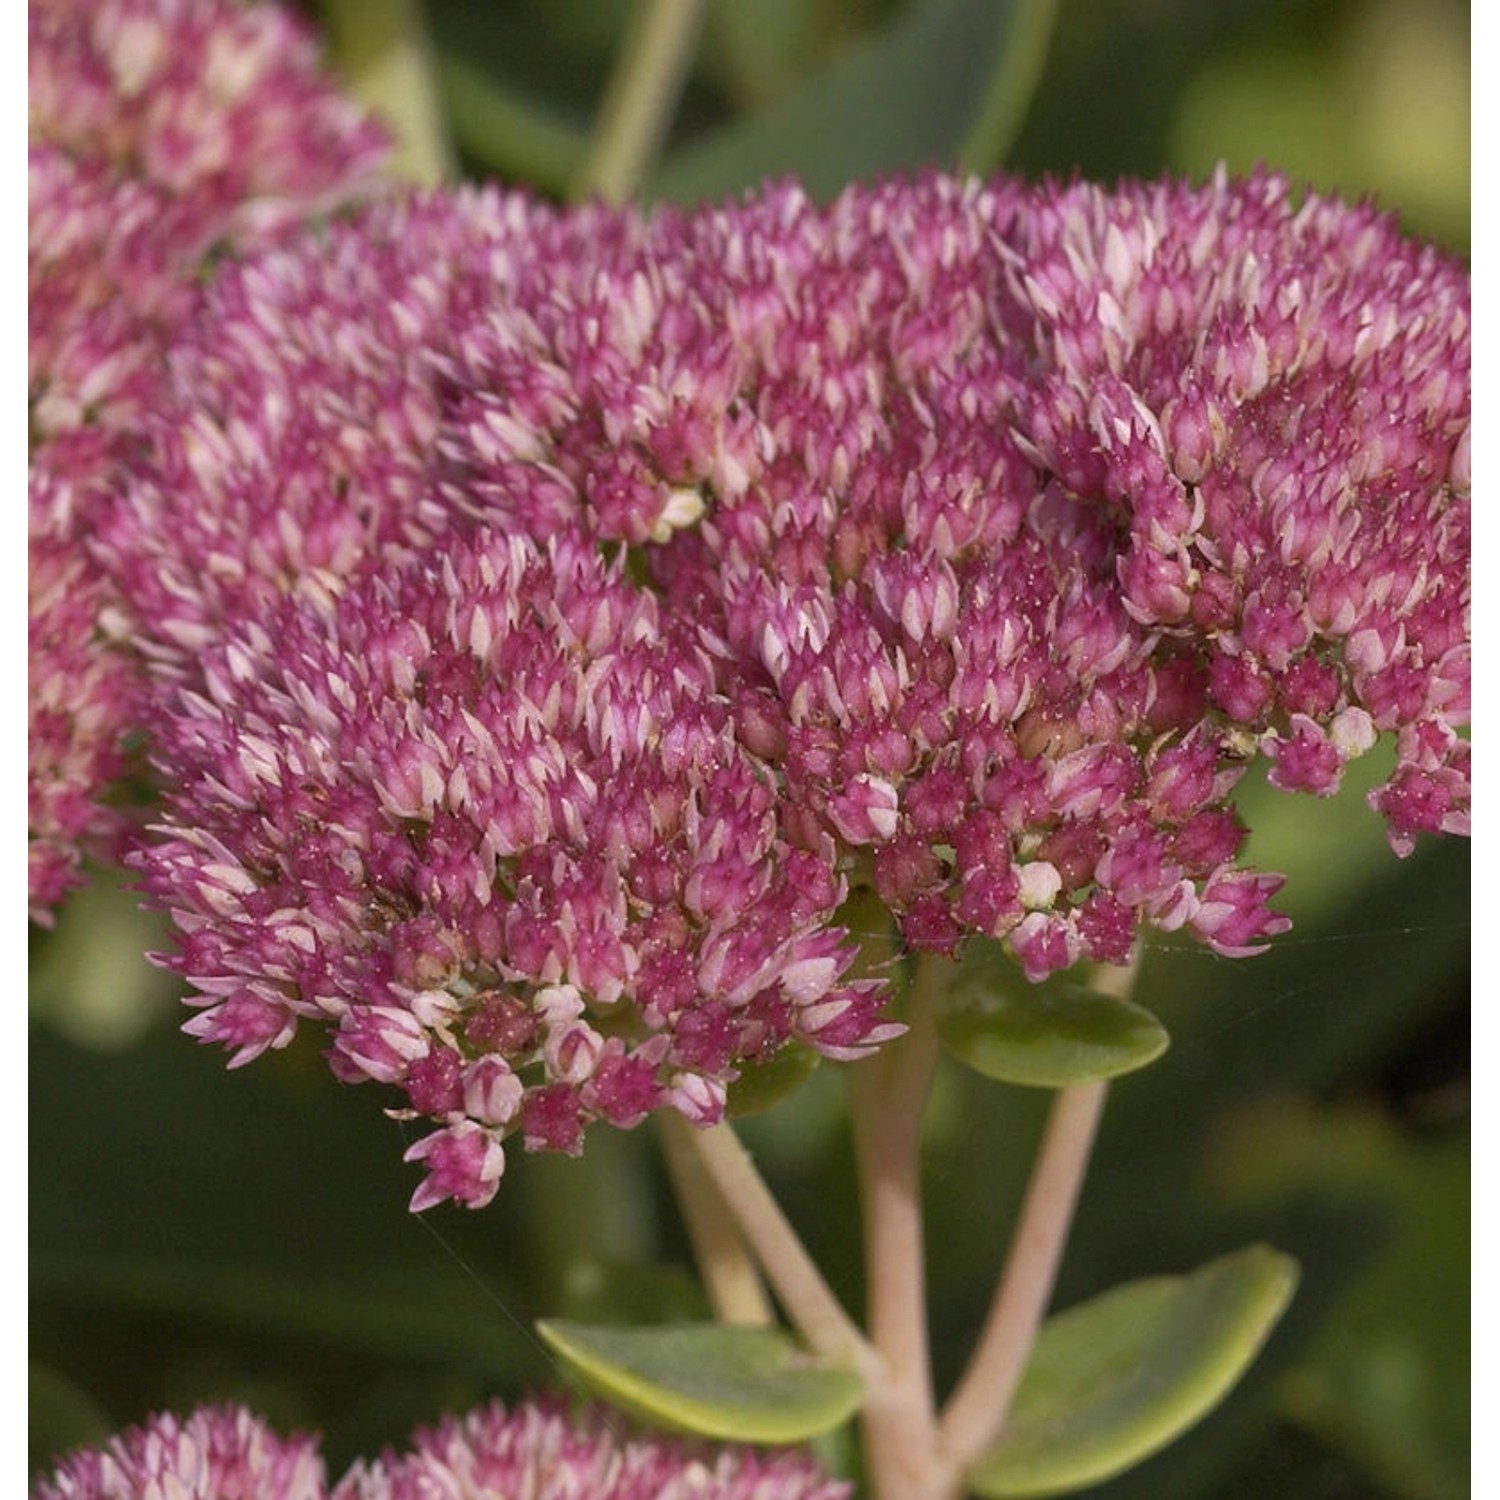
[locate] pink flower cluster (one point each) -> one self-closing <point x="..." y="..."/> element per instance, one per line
<point x="84" y="698"/>
<point x="214" y="1453"/>
<point x="161" y="131"/>
<point x="488" y="821"/>
<point x="534" y="1449"/>
<point x="555" y="613"/>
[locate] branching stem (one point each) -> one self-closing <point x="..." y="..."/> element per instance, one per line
<point x="730" y="1277"/>
<point x="805" y="1296"/>
<point x="979" y="1405"/>
<point x="889" y="1094"/>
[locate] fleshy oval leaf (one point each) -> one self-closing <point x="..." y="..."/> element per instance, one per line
<point x="1045" y="1035"/>
<point x="1119" y="1377"/>
<point x="748" y="1385"/>
<point x="760" y="1085"/>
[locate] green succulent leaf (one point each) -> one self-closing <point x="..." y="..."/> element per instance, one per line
<point x="1045" y="1035"/>
<point x="944" y="84"/>
<point x="760" y="1085"/>
<point x="748" y="1385"/>
<point x="1119" y="1377"/>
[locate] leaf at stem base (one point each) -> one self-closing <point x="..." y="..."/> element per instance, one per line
<point x="748" y="1385"/>
<point x="1112" y="1381"/>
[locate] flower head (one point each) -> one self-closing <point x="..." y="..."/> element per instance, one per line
<point x="161" y="130"/>
<point x="1025" y="516"/>
<point x="536" y="1450"/>
<point x="84" y="693"/>
<point x="215" y="1453"/>
<point x="661" y="577"/>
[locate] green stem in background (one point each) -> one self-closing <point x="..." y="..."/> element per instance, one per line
<point x="976" y="1412"/>
<point x="730" y="1276"/>
<point x="381" y="47"/>
<point x="1010" y="92"/>
<point x="805" y="1296"/>
<point x="505" y="132"/>
<point x="889" y="1095"/>
<point x="639" y="100"/>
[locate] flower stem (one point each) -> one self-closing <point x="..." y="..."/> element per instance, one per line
<point x="383" y="50"/>
<point x="640" y="97"/>
<point x="889" y="1095"/>
<point x="976" y="1411"/>
<point x="730" y="1276"/>
<point x="804" y="1295"/>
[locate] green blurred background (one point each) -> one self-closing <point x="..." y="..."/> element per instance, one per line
<point x="200" y="1235"/>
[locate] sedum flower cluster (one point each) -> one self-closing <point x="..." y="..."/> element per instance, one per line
<point x="214" y="1453"/>
<point x="534" y="1449"/>
<point x="162" y="133"/>
<point x="553" y="615"/>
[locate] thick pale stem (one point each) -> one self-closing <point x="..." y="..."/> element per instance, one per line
<point x="976" y="1412"/>
<point x="640" y="98"/>
<point x="889" y="1097"/>
<point x="382" y="48"/>
<point x="734" y="1287"/>
<point x="804" y="1295"/>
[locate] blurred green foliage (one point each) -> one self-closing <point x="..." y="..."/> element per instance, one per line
<point x="199" y="1235"/>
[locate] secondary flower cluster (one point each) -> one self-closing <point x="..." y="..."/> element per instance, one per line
<point x="161" y="131"/>
<point x="84" y="698"/>
<point x="554" y="613"/>
<point x="214" y="1453"/>
<point x="534" y="1449"/>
